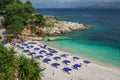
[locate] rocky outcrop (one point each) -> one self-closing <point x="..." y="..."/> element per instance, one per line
<point x="63" y="27"/>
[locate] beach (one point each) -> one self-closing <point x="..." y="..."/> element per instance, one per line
<point x="91" y="71"/>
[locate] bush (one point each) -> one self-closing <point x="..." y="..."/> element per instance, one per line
<point x="28" y="69"/>
<point x="10" y="65"/>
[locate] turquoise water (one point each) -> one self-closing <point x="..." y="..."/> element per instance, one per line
<point x="101" y="43"/>
<point x="102" y="54"/>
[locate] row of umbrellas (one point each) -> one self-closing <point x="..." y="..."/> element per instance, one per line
<point x="47" y="60"/>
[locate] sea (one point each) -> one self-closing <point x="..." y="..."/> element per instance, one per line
<point x="101" y="43"/>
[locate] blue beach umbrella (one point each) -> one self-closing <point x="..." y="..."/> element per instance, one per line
<point x="43" y="46"/>
<point x="76" y="66"/>
<point x="76" y="58"/>
<point x="42" y="51"/>
<point x="24" y="44"/>
<point x="4" y="42"/>
<point x="47" y="60"/>
<point x="4" y="32"/>
<point x="67" y="69"/>
<point x="52" y="50"/>
<point x="32" y="42"/>
<point x="86" y="61"/>
<point x="13" y="44"/>
<point x="49" y="54"/>
<point x="32" y="53"/>
<point x="66" y="61"/>
<point x="39" y="57"/>
<point x="64" y="55"/>
<point x="18" y="45"/>
<point x="55" y="65"/>
<point x="36" y="49"/>
<point x="21" y="47"/>
<point x="57" y="58"/>
<point x="29" y="47"/>
<point x="27" y="51"/>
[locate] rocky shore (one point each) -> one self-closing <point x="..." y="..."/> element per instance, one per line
<point x="63" y="27"/>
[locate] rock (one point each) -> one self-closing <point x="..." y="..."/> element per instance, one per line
<point x="52" y="39"/>
<point x="64" y="27"/>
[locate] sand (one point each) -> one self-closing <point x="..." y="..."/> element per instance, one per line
<point x="91" y="71"/>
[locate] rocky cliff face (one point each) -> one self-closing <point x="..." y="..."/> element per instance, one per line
<point x="63" y="27"/>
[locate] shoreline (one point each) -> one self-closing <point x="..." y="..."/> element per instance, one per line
<point x="93" y="61"/>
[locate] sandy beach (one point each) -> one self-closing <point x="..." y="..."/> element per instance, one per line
<point x="91" y="71"/>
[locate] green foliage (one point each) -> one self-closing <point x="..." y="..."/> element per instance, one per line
<point x="7" y="63"/>
<point x="39" y="19"/>
<point x="33" y="28"/>
<point x="4" y="3"/>
<point x="17" y="13"/>
<point x="27" y="69"/>
<point x="15" y="28"/>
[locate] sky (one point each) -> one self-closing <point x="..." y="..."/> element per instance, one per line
<point x="66" y="3"/>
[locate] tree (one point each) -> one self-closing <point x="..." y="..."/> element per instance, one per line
<point x="39" y="19"/>
<point x="3" y="4"/>
<point x="16" y="16"/>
